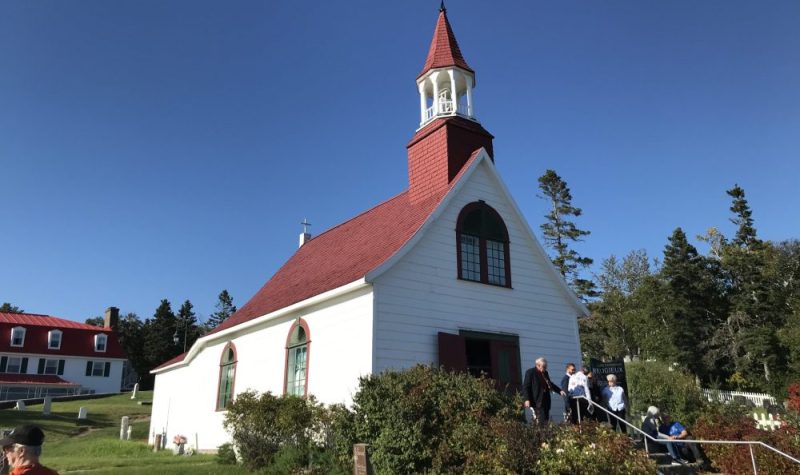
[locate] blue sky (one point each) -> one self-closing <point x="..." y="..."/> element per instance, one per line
<point x="155" y="149"/>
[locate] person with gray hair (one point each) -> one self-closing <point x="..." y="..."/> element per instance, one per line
<point x="616" y="402"/>
<point x="22" y="448"/>
<point x="537" y="388"/>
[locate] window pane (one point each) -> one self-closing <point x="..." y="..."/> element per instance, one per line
<point x="470" y="258"/>
<point x="296" y="375"/>
<point x="97" y="368"/>
<point x="496" y="262"/>
<point x="55" y="340"/>
<point x="226" y="384"/>
<point x="17" y="337"/>
<point x="14" y="365"/>
<point x="51" y="367"/>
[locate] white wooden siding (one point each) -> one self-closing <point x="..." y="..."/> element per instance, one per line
<point x="184" y="400"/>
<point x="421" y="295"/>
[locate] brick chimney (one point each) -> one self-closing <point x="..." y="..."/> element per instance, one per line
<point x="112" y="318"/>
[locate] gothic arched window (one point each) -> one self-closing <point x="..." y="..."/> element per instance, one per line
<point x="482" y="243"/>
<point x="227" y="375"/>
<point x="297" y="346"/>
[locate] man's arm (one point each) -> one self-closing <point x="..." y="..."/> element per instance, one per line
<point x="526" y="388"/>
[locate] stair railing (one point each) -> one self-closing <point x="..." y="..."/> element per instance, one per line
<point x="750" y="443"/>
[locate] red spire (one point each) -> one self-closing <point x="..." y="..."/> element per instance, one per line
<point x="444" y="49"/>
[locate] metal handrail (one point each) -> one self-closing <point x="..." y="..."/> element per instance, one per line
<point x="750" y="443"/>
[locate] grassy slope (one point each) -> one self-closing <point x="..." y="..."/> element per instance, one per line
<point x="94" y="446"/>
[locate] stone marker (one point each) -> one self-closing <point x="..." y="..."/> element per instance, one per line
<point x="20" y="405"/>
<point x="123" y="428"/>
<point x="128" y="435"/>
<point x="48" y="402"/>
<point x="135" y="391"/>
<point x="82" y="413"/>
<point x="361" y="465"/>
<point x="157" y="443"/>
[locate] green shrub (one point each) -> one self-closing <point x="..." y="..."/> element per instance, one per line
<point x="262" y="425"/>
<point x="592" y="448"/>
<point x="428" y="420"/>
<point x="226" y="455"/>
<point x="671" y="389"/>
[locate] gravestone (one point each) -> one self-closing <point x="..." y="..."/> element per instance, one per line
<point x="20" y="405"/>
<point x="128" y="435"/>
<point x="157" y="442"/>
<point x="135" y="391"/>
<point x="82" y="414"/>
<point x="123" y="428"/>
<point x="361" y="465"/>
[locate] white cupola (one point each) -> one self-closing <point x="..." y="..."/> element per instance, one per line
<point x="446" y="81"/>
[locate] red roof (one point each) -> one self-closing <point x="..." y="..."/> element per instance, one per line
<point x="34" y="319"/>
<point x="40" y="379"/>
<point x="444" y="50"/>
<point x="77" y="339"/>
<point x="343" y="254"/>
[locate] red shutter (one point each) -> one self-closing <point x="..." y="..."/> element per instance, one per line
<point x="452" y="352"/>
<point x="505" y="365"/>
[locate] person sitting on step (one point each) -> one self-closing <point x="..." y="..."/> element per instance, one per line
<point x="681" y="452"/>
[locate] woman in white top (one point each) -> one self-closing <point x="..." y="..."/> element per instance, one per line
<point x="578" y="386"/>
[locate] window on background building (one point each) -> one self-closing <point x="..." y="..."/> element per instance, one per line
<point x="100" y="342"/>
<point x="16" y="364"/>
<point x="227" y="376"/>
<point x="98" y="368"/>
<point x="297" y="345"/>
<point x="47" y="366"/>
<point x="54" y="339"/>
<point x="494" y="354"/>
<point x="18" y="336"/>
<point x="482" y="246"/>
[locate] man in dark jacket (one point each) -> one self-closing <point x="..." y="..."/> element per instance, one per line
<point x="564" y="384"/>
<point x="537" y="387"/>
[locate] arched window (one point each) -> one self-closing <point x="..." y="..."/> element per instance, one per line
<point x="297" y="346"/>
<point x="482" y="243"/>
<point x="227" y="375"/>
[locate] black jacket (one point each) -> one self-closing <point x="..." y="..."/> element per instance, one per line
<point x="537" y="387"/>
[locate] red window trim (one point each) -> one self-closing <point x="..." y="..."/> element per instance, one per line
<point x="482" y="244"/>
<point x="304" y="324"/>
<point x="231" y="346"/>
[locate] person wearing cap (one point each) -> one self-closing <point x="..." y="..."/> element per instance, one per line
<point x="22" y="448"/>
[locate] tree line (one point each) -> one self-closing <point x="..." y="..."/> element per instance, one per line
<point x="730" y="316"/>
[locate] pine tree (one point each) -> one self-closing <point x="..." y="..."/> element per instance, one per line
<point x="187" y="330"/>
<point x="159" y="346"/>
<point x="743" y="219"/>
<point x="8" y="308"/>
<point x="559" y="231"/>
<point x="225" y="308"/>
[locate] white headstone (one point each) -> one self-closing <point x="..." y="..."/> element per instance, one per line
<point x="48" y="402"/>
<point x="20" y="405"/>
<point x="123" y="428"/>
<point x="128" y="435"/>
<point x="82" y="413"/>
<point x="135" y="391"/>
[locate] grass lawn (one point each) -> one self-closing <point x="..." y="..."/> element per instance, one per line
<point x="94" y="446"/>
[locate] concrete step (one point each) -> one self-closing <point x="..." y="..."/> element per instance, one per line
<point x="680" y="469"/>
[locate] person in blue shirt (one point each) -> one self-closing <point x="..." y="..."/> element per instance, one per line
<point x="616" y="402"/>
<point x="674" y="430"/>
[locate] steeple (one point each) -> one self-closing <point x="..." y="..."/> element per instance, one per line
<point x="446" y="81"/>
<point x="448" y="132"/>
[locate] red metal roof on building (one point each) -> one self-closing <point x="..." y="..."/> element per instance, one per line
<point x="77" y="339"/>
<point x="177" y="359"/>
<point x="444" y="50"/>
<point x="38" y="379"/>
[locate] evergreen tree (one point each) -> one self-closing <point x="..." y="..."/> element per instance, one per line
<point x="743" y="219"/>
<point x="96" y="321"/>
<point x="187" y="330"/>
<point x="158" y="332"/>
<point x="225" y="308"/>
<point x="8" y="308"/>
<point x="694" y="301"/>
<point x="132" y="336"/>
<point x="559" y="231"/>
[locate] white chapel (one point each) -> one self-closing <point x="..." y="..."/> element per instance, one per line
<point x="448" y="272"/>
